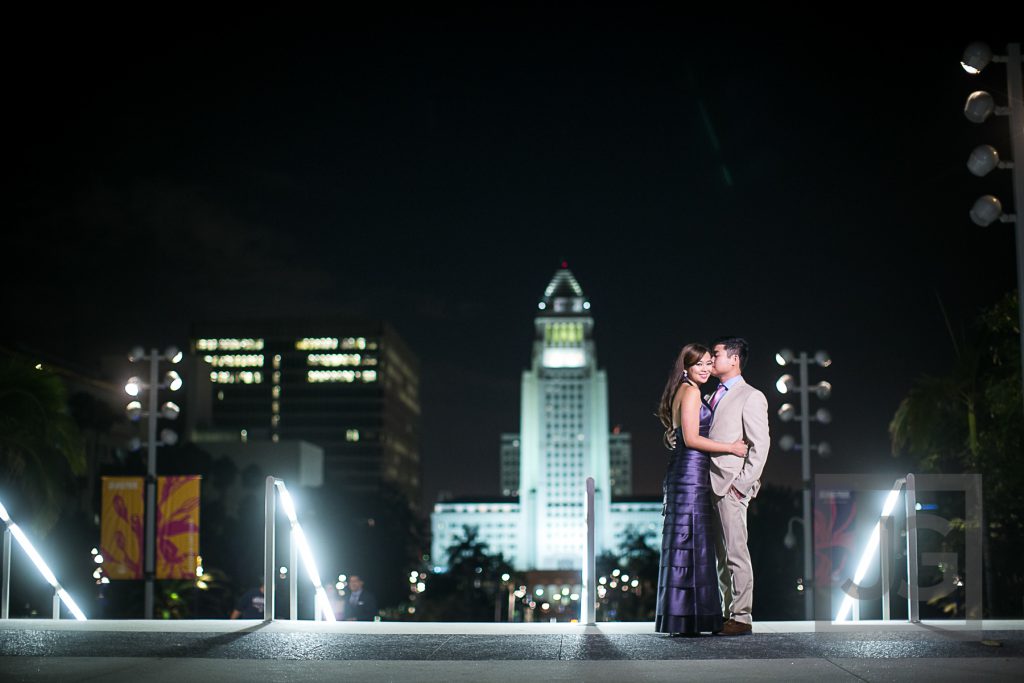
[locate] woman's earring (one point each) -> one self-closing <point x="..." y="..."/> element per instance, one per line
<point x="686" y="375"/>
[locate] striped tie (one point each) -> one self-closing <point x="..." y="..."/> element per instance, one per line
<point x="719" y="393"/>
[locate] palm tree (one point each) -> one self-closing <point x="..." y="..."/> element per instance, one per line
<point x="40" y="445"/>
<point x="970" y="421"/>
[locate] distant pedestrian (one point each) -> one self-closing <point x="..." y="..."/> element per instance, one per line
<point x="250" y="605"/>
<point x="360" y="604"/>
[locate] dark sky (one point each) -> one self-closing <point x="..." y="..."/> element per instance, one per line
<point x="700" y="177"/>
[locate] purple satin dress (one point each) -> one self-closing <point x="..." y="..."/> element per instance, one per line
<point x="688" y="597"/>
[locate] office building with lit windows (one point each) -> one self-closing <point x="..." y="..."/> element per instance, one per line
<point x="620" y="463"/>
<point x="563" y="439"/>
<point x="351" y="387"/>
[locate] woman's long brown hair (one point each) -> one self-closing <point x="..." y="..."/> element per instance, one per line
<point x="688" y="357"/>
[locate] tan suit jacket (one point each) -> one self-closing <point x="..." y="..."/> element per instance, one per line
<point x="742" y="413"/>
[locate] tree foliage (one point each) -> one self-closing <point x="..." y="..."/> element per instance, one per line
<point x="41" y="448"/>
<point x="472" y="585"/>
<point x="971" y="420"/>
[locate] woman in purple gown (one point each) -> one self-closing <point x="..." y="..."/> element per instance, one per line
<point x="688" y="599"/>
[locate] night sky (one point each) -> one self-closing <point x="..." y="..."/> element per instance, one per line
<point x="700" y="178"/>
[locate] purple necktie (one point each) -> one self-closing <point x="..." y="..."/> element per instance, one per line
<point x="719" y="393"/>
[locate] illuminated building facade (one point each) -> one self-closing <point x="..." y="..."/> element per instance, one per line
<point x="620" y="456"/>
<point x="620" y="462"/>
<point x="509" y="465"/>
<point x="350" y="387"/>
<point x="563" y="439"/>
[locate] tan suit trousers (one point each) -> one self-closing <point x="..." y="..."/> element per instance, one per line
<point x="735" y="572"/>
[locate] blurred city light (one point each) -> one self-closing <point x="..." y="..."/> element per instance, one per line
<point x="133" y="387"/>
<point x="976" y="57"/>
<point x="173" y="380"/>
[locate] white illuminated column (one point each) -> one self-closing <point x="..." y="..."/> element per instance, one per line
<point x="298" y="536"/>
<point x="563" y="431"/>
<point x="868" y="555"/>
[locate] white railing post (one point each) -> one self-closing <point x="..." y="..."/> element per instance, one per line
<point x="913" y="606"/>
<point x="299" y="546"/>
<point x="5" y="591"/>
<point x="885" y="537"/>
<point x="293" y="582"/>
<point x="59" y="594"/>
<point x="588" y="601"/>
<point x="269" y="512"/>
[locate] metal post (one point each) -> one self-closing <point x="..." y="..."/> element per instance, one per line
<point x="56" y="605"/>
<point x="913" y="604"/>
<point x="1016" y="102"/>
<point x="885" y="536"/>
<point x="150" y="560"/>
<point x="5" y="591"/>
<point x="511" y="604"/>
<point x="269" y="516"/>
<point x="293" y="573"/>
<point x="805" y="453"/>
<point x="588" y="603"/>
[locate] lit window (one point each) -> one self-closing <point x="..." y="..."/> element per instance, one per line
<point x="333" y="360"/>
<point x="276" y="391"/>
<point x="275" y="406"/>
<point x="352" y="435"/>
<point x="317" y="344"/>
<point x="246" y="361"/>
<point x="318" y="376"/>
<point x="354" y="343"/>
<point x="229" y="344"/>
<point x="236" y="377"/>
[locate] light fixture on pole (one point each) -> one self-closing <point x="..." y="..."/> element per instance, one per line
<point x="980" y="105"/>
<point x="135" y="387"/>
<point x="789" y="540"/>
<point x="787" y="413"/>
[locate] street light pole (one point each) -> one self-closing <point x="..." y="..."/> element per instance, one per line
<point x="785" y="385"/>
<point x="149" y="568"/>
<point x="980" y="105"/>
<point x="805" y="470"/>
<point x="167" y="437"/>
<point x="1016" y="97"/>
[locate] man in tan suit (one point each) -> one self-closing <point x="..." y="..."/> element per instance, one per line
<point x="740" y="411"/>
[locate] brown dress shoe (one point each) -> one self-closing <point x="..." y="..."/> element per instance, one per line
<point x="735" y="628"/>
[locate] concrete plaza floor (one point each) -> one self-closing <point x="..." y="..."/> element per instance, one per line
<point x="220" y="650"/>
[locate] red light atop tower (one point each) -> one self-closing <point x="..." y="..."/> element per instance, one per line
<point x="565" y="264"/>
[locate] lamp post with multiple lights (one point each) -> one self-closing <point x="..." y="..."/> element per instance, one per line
<point x="168" y="437"/>
<point x="984" y="159"/>
<point x="787" y="384"/>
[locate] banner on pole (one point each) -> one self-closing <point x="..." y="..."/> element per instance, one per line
<point x="121" y="520"/>
<point x="177" y="527"/>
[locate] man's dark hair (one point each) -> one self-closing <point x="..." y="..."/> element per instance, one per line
<point x="734" y="346"/>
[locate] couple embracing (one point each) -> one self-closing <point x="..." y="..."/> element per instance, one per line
<point x="719" y="444"/>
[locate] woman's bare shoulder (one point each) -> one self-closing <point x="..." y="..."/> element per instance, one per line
<point x="686" y="391"/>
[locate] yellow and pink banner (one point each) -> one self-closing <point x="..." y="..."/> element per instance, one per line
<point x="177" y="527"/>
<point x="121" y="523"/>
